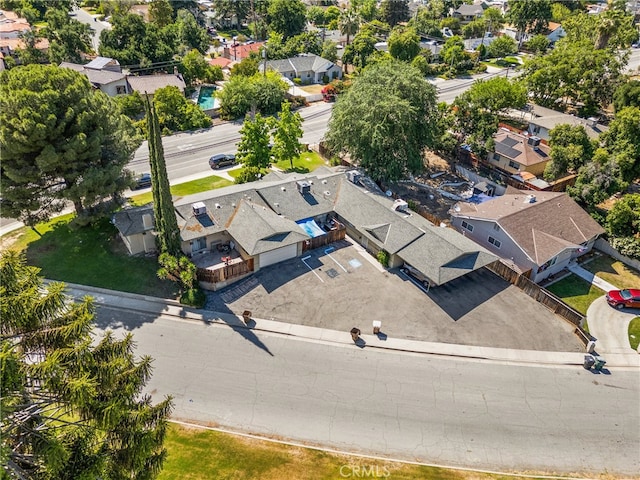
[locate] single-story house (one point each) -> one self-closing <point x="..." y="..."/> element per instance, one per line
<point x="283" y="215"/>
<point x="554" y="32"/>
<point x="150" y="83"/>
<point x="104" y="74"/>
<point x="237" y="52"/>
<point x="540" y="232"/>
<point x="542" y="120"/>
<point x="516" y="153"/>
<point x="468" y="13"/>
<point x="309" y="68"/>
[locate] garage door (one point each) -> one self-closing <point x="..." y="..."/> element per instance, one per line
<point x="278" y="255"/>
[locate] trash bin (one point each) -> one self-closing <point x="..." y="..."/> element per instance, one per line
<point x="599" y="363"/>
<point x="355" y="333"/>
<point x="246" y="316"/>
<point x="589" y="360"/>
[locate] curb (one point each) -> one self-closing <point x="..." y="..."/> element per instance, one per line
<point x="174" y="309"/>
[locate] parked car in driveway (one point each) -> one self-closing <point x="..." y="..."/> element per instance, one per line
<point x="222" y="160"/>
<point x="629" y="298"/>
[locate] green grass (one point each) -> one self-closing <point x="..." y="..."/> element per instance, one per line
<point x="634" y="333"/>
<point x="613" y="271"/>
<point x="205" y="454"/>
<point x="92" y="255"/>
<point x="306" y="162"/>
<point x="575" y="292"/>
<point x="184" y="189"/>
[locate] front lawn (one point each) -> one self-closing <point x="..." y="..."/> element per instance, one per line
<point x="203" y="454"/>
<point x="634" y="333"/>
<point x="306" y="162"/>
<point x="92" y="255"/>
<point x="184" y="189"/>
<point x="575" y="292"/>
<point x="613" y="271"/>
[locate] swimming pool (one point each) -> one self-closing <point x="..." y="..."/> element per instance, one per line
<point x="206" y="98"/>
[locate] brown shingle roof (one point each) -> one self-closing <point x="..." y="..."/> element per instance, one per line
<point x="516" y="148"/>
<point x="542" y="228"/>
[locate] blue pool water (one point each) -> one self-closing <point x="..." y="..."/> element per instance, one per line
<point x="206" y="98"/>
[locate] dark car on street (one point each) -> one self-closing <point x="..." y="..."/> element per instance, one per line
<point x="143" y="181"/>
<point x="222" y="160"/>
<point x="629" y="298"/>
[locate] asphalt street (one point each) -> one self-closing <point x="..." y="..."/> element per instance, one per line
<point x="491" y="415"/>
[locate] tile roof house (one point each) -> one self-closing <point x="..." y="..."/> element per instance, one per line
<point x="541" y="233"/>
<point x="104" y="74"/>
<point x="12" y="27"/>
<point x="237" y="52"/>
<point x="279" y="217"/>
<point x="309" y="68"/>
<point x="516" y="153"/>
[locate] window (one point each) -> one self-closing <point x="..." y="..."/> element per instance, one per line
<point x="468" y="226"/>
<point x="513" y="164"/>
<point x="121" y="90"/>
<point x="494" y="242"/>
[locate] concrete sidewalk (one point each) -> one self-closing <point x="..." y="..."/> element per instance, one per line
<point x="591" y="278"/>
<point x="172" y="308"/>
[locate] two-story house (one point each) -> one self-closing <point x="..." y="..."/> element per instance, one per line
<point x="515" y="153"/>
<point x="539" y="233"/>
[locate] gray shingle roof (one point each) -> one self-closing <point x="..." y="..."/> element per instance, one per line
<point x="96" y="77"/>
<point x="285" y="199"/>
<point x="150" y="83"/>
<point x="301" y="63"/>
<point x="258" y="229"/>
<point x="129" y="221"/>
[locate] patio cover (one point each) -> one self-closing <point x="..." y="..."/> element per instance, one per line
<point x="310" y="226"/>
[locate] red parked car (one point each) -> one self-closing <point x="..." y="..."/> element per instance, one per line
<point x="624" y="298"/>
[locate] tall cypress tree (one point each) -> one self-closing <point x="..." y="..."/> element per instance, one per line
<point x="165" y="217"/>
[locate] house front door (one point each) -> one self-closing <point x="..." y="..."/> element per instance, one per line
<point x="199" y="244"/>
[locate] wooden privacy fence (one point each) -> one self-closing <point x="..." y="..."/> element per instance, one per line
<point x="225" y="272"/>
<point x="330" y="237"/>
<point x="542" y="296"/>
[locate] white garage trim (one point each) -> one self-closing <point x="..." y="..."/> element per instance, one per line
<point x="278" y="255"/>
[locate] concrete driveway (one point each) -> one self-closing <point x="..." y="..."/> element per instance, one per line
<point x="347" y="287"/>
<point x="610" y="326"/>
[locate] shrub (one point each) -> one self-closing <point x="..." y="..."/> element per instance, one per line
<point x="248" y="174"/>
<point x="193" y="297"/>
<point x="627" y="246"/>
<point x="297" y="81"/>
<point x="383" y="258"/>
<point x="413" y="205"/>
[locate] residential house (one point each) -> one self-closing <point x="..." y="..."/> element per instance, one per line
<point x="309" y="68"/>
<point x="554" y="32"/>
<point x="468" y="13"/>
<point x="104" y="74"/>
<point x="283" y="215"/>
<point x="515" y="153"/>
<point x="148" y="84"/>
<point x="12" y="28"/>
<point x="224" y="63"/>
<point x="542" y="120"/>
<point x="237" y="52"/>
<point x="538" y="233"/>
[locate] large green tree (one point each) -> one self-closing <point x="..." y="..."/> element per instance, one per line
<point x="253" y="148"/>
<point x="385" y="120"/>
<point x="68" y="38"/>
<point x="70" y="407"/>
<point x="627" y="95"/>
<point x="394" y="11"/>
<point x="195" y="68"/>
<point x="262" y="92"/>
<point x="176" y="113"/>
<point x="531" y="16"/>
<point x="622" y="141"/>
<point x="287" y="134"/>
<point x="358" y="52"/>
<point x="61" y="142"/>
<point x="571" y="148"/>
<point x="502" y="47"/>
<point x="287" y="17"/>
<point x="165" y="222"/>
<point x="404" y="43"/>
<point x="623" y="220"/>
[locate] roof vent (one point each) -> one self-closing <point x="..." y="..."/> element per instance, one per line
<point x="530" y="199"/>
<point x="199" y="208"/>
<point x="310" y="182"/>
<point x="327" y="193"/>
<point x="303" y="187"/>
<point x="233" y="204"/>
<point x="399" y="205"/>
<point x="218" y="205"/>
<point x="592" y="122"/>
<point x="353" y="176"/>
<point x="276" y="204"/>
<point x="283" y="188"/>
<point x="324" y="182"/>
<point x="533" y="141"/>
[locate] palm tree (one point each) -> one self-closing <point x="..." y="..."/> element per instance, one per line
<point x="349" y="23"/>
